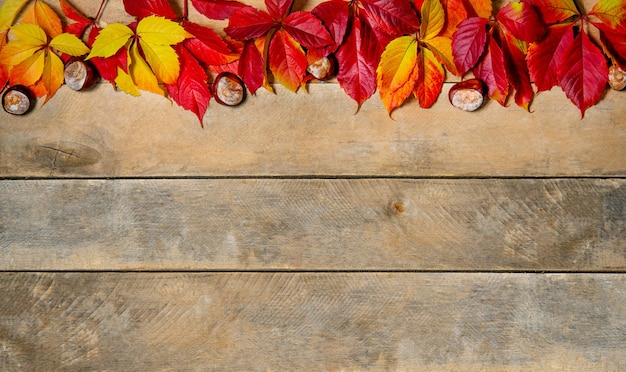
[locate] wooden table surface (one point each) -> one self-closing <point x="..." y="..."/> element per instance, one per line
<point x="292" y="234"/>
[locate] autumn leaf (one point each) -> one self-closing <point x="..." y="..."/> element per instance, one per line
<point x="8" y="13"/>
<point x="33" y="60"/>
<point x="283" y="35"/>
<point x="155" y="36"/>
<point x="414" y="64"/>
<point x="217" y="9"/>
<point x="569" y="57"/>
<point x="147" y="8"/>
<point x="361" y="31"/>
<point x="41" y="14"/>
<point x="80" y="23"/>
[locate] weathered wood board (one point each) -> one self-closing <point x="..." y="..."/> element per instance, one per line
<point x="312" y="321"/>
<point x="293" y="233"/>
<point x="104" y="133"/>
<point x="319" y="224"/>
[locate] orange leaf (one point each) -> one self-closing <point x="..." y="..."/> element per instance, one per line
<point x="29" y="71"/>
<point x="52" y="76"/>
<point x="430" y="79"/>
<point x="40" y="13"/>
<point x="397" y="71"/>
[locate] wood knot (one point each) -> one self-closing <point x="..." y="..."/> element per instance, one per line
<point x="397" y="207"/>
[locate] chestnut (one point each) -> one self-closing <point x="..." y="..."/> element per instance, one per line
<point x="323" y="69"/>
<point x="17" y="100"/>
<point x="468" y="95"/>
<point x="79" y="74"/>
<point x="617" y="77"/>
<point x="229" y="89"/>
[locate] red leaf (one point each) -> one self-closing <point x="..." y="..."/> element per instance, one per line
<point x="251" y="67"/>
<point x="357" y="63"/>
<point x="395" y="17"/>
<point x="555" y="11"/>
<point x="278" y="9"/>
<point x="107" y="67"/>
<point x="217" y="9"/>
<point x="545" y="57"/>
<point x="491" y="70"/>
<point x="287" y="61"/>
<point x="4" y="77"/>
<point x="191" y="90"/>
<point x="429" y="79"/>
<point x="615" y="44"/>
<point x="307" y="30"/>
<point x="522" y="20"/>
<point x="334" y="15"/>
<point x="80" y="21"/>
<point x="145" y="8"/>
<point x="249" y="23"/>
<point x="468" y="43"/>
<point x="583" y="75"/>
<point x="208" y="46"/>
<point x="517" y="71"/>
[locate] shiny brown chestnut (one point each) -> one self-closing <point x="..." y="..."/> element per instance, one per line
<point x="79" y="74"/>
<point x="229" y="89"/>
<point x="468" y="95"/>
<point x="17" y="100"/>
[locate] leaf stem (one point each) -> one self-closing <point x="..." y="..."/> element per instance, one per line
<point x="186" y="10"/>
<point x="100" y="11"/>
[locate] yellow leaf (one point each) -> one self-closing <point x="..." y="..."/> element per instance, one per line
<point x="110" y="40"/>
<point x="141" y="73"/>
<point x="163" y="60"/>
<point x="9" y="11"/>
<point x="397" y="71"/>
<point x="125" y="83"/>
<point x="433" y="19"/>
<point x="441" y="46"/>
<point x="30" y="34"/>
<point x="160" y="31"/>
<point x="42" y="15"/>
<point x="29" y="71"/>
<point x="52" y="76"/>
<point x="69" y="44"/>
<point x="15" y="53"/>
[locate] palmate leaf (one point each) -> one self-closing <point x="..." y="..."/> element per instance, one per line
<point x="468" y="43"/>
<point x="52" y="75"/>
<point x="397" y="71"/>
<point x="545" y="57"/>
<point x="141" y="74"/>
<point x="555" y="11"/>
<point x="110" y="40"/>
<point x="429" y="80"/>
<point x="583" y="74"/>
<point x="522" y="21"/>
<point x="217" y="9"/>
<point x="491" y="69"/>
<point x="287" y="60"/>
<point x="42" y="15"/>
<point x="9" y="11"/>
<point x="611" y="13"/>
<point x="80" y="23"/>
<point x="145" y="8"/>
<point x="191" y="90"/>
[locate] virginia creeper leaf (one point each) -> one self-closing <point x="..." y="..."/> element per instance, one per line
<point x="522" y="21"/>
<point x="393" y="17"/>
<point x="80" y="23"/>
<point x="491" y="70"/>
<point x="555" y="11"/>
<point x="583" y="75"/>
<point x="9" y="11"/>
<point x="278" y="9"/>
<point x="287" y="61"/>
<point x="207" y="46"/>
<point x="40" y="14"/>
<point x="155" y="30"/>
<point x="145" y="8"/>
<point x="307" y="30"/>
<point x="251" y="67"/>
<point x="397" y="71"/>
<point x="545" y="57"/>
<point x="163" y="60"/>
<point x="52" y="75"/>
<point x="611" y="13"/>
<point x="69" y="44"/>
<point x="140" y="72"/>
<point x="334" y="14"/>
<point x="125" y="83"/>
<point x="429" y="79"/>
<point x="433" y="19"/>
<point x="517" y="70"/>
<point x="249" y="23"/>
<point x="107" y="67"/>
<point x="468" y="43"/>
<point x="441" y="46"/>
<point x="191" y="90"/>
<point x="29" y="71"/>
<point x="217" y="9"/>
<point x="110" y="40"/>
<point x="30" y="34"/>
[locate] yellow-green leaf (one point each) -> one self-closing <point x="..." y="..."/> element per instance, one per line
<point x="69" y="44"/>
<point x="9" y="11"/>
<point x="52" y="76"/>
<point x="433" y="19"/>
<point x="42" y="15"/>
<point x="29" y="71"/>
<point x="441" y="46"/>
<point x="163" y="60"/>
<point x="142" y="75"/>
<point x="125" y="83"/>
<point x="160" y="31"/>
<point x="397" y="71"/>
<point x="30" y="34"/>
<point x="15" y="53"/>
<point x="110" y="40"/>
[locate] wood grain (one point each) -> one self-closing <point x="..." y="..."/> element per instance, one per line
<point x="358" y="321"/>
<point x="103" y="133"/>
<point x="367" y="224"/>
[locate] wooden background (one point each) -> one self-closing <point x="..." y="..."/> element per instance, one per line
<point x="293" y="234"/>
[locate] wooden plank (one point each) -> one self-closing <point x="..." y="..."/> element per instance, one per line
<point x="358" y="321"/>
<point x="104" y="133"/>
<point x="274" y="224"/>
